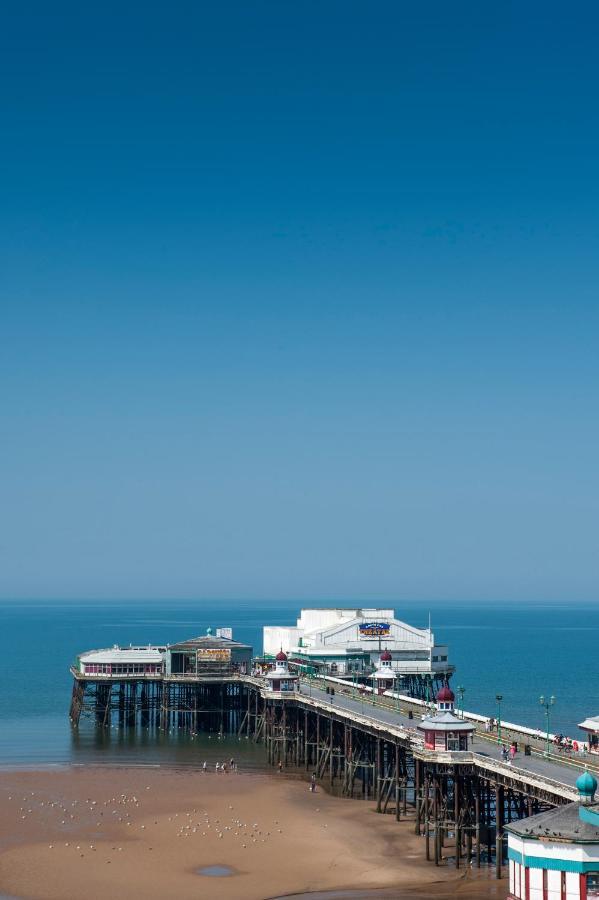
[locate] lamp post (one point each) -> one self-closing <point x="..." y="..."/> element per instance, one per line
<point x="499" y="698"/>
<point x="461" y="691"/>
<point x="547" y="704"/>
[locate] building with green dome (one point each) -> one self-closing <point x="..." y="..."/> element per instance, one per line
<point x="555" y="855"/>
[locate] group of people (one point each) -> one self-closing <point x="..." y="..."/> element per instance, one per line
<point x="508" y="753"/>
<point x="231" y="766"/>
<point x="565" y="744"/>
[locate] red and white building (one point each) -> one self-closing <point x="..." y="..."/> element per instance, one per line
<point x="445" y="730"/>
<point x="384" y="676"/>
<point x="555" y="855"/>
<point x="280" y="679"/>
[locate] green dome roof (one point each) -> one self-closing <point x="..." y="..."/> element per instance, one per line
<point x="586" y="784"/>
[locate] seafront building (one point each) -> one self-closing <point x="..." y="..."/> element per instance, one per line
<point x="555" y="855"/>
<point x="591" y="727"/>
<point x="348" y="642"/>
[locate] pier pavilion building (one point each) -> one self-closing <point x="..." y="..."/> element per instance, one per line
<point x="445" y="730"/>
<point x="555" y="855"/>
<point x="384" y="677"/>
<point x="203" y="655"/>
<point x="348" y="642"/>
<point x="208" y="654"/>
<point x="126" y="661"/>
<point x="280" y="678"/>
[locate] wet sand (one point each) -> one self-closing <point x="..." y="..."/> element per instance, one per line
<point x="115" y="832"/>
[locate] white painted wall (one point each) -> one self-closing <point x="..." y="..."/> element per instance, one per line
<point x="536" y="884"/>
<point x="556" y="850"/>
<point x="554" y="885"/>
<point x="572" y="886"/>
<point x="277" y="636"/>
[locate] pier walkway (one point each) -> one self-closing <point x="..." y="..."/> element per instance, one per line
<point x="559" y="775"/>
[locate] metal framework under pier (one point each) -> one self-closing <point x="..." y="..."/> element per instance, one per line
<point x="458" y="802"/>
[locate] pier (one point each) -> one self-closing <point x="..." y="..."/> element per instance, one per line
<point x="458" y="801"/>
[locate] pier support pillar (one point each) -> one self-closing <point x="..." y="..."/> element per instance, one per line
<point x="456" y="816"/>
<point x="498" y="829"/>
<point x="418" y="799"/>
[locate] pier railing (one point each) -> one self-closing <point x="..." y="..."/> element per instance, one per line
<point x="507" y="770"/>
<point x="361" y="718"/>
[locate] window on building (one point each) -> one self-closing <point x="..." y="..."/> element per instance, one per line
<point x="592" y="885"/>
<point x="435" y="659"/>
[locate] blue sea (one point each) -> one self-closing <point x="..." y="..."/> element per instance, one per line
<point x="519" y="651"/>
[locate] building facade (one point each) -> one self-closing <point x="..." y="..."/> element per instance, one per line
<point x="445" y="730"/>
<point x="207" y="653"/>
<point x="555" y="855"/>
<point x="122" y="661"/>
<point x="348" y="642"/>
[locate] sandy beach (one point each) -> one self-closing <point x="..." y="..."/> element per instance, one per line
<point x="99" y="832"/>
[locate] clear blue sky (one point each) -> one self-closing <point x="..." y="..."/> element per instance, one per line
<point x="299" y="300"/>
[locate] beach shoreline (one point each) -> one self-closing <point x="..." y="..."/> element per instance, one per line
<point x="147" y="832"/>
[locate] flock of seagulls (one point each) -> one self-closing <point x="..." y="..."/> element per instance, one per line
<point x="196" y="824"/>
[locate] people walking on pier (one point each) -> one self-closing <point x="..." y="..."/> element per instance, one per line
<point x="512" y="751"/>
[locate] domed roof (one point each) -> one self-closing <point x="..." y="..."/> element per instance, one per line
<point x="386" y="656"/>
<point x="445" y="695"/>
<point x="586" y="784"/>
<point x="281" y="657"/>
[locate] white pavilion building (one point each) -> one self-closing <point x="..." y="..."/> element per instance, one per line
<point x="349" y="641"/>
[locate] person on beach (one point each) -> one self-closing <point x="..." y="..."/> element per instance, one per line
<point x="280" y="767"/>
<point x="205" y="766"/>
<point x="313" y="783"/>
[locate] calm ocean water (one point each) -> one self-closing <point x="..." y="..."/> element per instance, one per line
<point x="519" y="651"/>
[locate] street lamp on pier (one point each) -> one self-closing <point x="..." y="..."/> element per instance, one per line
<point x="461" y="691"/>
<point x="547" y="704"/>
<point x="499" y="698"/>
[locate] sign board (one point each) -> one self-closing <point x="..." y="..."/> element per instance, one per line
<point x="374" y="629"/>
<point x="214" y="654"/>
<point x="225" y="633"/>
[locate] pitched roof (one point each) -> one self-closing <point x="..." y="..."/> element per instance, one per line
<point x="123" y="655"/>
<point x="209" y="642"/>
<point x="445" y="721"/>
<point x="561" y="823"/>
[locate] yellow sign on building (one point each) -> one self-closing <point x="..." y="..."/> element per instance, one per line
<point x="214" y="654"/>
